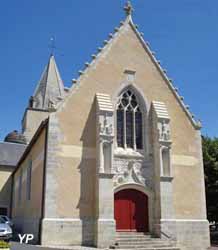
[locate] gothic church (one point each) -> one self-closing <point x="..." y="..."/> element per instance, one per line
<point x="115" y="157"/>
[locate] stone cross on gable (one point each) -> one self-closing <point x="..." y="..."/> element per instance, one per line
<point x="52" y="45"/>
<point x="128" y="8"/>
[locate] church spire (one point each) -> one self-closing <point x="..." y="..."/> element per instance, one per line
<point x="50" y="88"/>
<point x="128" y="8"/>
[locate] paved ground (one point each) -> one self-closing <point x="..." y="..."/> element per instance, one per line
<point x="16" y="246"/>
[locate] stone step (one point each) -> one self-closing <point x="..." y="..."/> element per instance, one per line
<point x="151" y="240"/>
<point x="142" y="241"/>
<point x="152" y="248"/>
<point x="138" y="243"/>
<point x="145" y="246"/>
<point x="135" y="237"/>
<point x="131" y="232"/>
<point x="141" y="245"/>
<point x="141" y="238"/>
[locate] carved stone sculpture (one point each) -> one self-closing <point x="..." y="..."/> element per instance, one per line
<point x="106" y="128"/>
<point x="132" y="171"/>
<point x="164" y="131"/>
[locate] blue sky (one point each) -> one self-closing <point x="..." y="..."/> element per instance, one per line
<point x="184" y="35"/>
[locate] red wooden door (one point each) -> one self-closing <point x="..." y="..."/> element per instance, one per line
<point x="131" y="210"/>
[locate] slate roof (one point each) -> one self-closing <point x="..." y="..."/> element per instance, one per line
<point x="10" y="153"/>
<point x="50" y="88"/>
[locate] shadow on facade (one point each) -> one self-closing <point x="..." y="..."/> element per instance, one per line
<point x="87" y="168"/>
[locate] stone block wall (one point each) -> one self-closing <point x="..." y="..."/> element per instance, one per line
<point x="68" y="232"/>
<point x="189" y="234"/>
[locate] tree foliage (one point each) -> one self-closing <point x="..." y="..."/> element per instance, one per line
<point x="210" y="157"/>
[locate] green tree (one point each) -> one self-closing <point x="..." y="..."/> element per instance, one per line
<point x="210" y="157"/>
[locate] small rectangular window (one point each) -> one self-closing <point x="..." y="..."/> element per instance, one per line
<point x="3" y="211"/>
<point x="15" y="192"/>
<point x="20" y="186"/>
<point x="29" y="180"/>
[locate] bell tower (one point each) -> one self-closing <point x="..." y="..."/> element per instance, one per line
<point x="48" y="93"/>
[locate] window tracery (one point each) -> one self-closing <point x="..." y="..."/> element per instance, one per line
<point x="129" y="121"/>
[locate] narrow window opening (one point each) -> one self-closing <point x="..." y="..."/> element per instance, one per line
<point x="20" y="186"/>
<point x="29" y="180"/>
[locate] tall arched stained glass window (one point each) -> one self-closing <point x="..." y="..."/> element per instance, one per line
<point x="129" y="122"/>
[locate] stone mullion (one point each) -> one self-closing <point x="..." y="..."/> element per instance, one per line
<point x="134" y="132"/>
<point x="115" y="129"/>
<point x="124" y="128"/>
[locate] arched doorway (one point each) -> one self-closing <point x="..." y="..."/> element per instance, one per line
<point x="131" y="210"/>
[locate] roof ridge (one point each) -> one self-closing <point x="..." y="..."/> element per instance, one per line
<point x="106" y="43"/>
<point x="146" y="46"/>
<point x="57" y="73"/>
<point x="47" y="72"/>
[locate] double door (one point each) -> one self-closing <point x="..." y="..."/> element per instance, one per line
<point x="131" y="210"/>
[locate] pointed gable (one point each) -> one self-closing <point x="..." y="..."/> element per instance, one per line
<point x="126" y="46"/>
<point x="50" y="88"/>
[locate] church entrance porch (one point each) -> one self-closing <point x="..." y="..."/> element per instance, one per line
<point x="131" y="210"/>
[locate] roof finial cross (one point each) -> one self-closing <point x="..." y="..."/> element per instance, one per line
<point x="52" y="45"/>
<point x="128" y="8"/>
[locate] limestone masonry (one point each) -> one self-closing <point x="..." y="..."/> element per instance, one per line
<point x="115" y="156"/>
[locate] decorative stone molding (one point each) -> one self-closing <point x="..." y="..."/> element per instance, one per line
<point x="105" y="224"/>
<point x="135" y="171"/>
<point x="105" y="133"/>
<point x="161" y="123"/>
<point x="52" y="107"/>
<point x="161" y="144"/>
<point x="161" y="110"/>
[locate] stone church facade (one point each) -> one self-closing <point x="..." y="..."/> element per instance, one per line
<point x="118" y="151"/>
